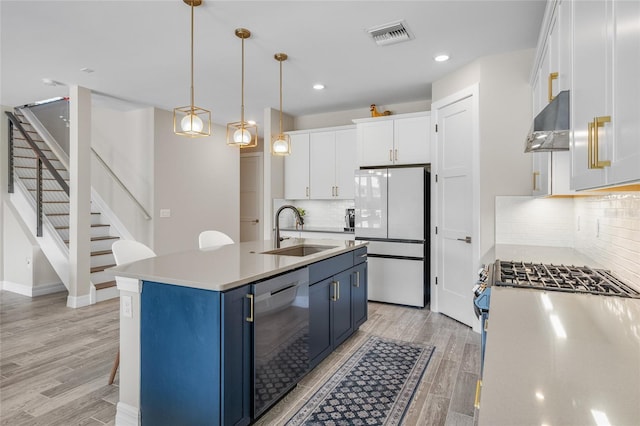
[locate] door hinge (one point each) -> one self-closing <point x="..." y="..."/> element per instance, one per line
<point x="436" y="128"/>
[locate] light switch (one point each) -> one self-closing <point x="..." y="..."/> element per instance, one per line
<point x="127" y="309"/>
<point x="165" y="212"/>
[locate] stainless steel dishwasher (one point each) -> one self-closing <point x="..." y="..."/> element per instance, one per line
<point x="281" y="336"/>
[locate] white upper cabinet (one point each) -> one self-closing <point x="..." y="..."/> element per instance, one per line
<point x="605" y="104"/>
<point x="323" y="167"/>
<point x="394" y="140"/>
<point x="332" y="164"/>
<point x="552" y="171"/>
<point x="296" y="168"/>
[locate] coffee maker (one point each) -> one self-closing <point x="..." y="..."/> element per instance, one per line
<point x="350" y="219"/>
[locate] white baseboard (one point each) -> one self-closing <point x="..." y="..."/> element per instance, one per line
<point x="127" y="415"/>
<point x="78" y="301"/>
<point x="31" y="291"/>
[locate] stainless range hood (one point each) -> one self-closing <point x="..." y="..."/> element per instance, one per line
<point x="550" y="129"/>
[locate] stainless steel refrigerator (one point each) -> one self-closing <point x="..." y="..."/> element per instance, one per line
<point x="392" y="213"/>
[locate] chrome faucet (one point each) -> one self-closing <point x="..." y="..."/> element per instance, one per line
<point x="277" y="220"/>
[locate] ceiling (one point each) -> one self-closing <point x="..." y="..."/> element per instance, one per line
<point x="139" y="50"/>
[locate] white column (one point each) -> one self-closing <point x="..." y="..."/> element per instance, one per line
<point x="80" y="197"/>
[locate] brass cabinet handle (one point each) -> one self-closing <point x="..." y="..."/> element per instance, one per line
<point x="334" y="296"/>
<point x="535" y="180"/>
<point x="357" y="278"/>
<point x="597" y="123"/>
<point x="590" y="144"/>
<point x="477" y="401"/>
<point x="250" y="317"/>
<point x="390" y="155"/>
<point x="307" y="191"/>
<point x="552" y="76"/>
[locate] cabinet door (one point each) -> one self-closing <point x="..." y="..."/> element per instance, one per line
<point x="346" y="164"/>
<point x="296" y="168"/>
<point x="412" y="140"/>
<point x="625" y="165"/>
<point x="319" y="321"/>
<point x="359" y="294"/>
<point x="591" y="94"/>
<point x="322" y="166"/>
<point x="237" y="356"/>
<point x="375" y="143"/>
<point x="541" y="180"/>
<point x="341" y="302"/>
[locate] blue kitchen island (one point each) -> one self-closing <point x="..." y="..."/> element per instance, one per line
<point x="224" y="333"/>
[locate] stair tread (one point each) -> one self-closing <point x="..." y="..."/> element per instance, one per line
<point x="102" y="238"/>
<point x="107" y="284"/>
<point x="93" y="225"/>
<point x="101" y="268"/>
<point x="101" y="252"/>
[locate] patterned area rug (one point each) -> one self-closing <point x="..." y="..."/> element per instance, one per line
<point x="374" y="387"/>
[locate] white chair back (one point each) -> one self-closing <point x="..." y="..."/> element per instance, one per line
<point x="208" y="239"/>
<point x="127" y="251"/>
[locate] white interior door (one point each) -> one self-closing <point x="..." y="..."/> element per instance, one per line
<point x="455" y="209"/>
<point x="250" y="196"/>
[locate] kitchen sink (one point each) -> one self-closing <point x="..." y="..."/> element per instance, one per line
<point x="300" y="250"/>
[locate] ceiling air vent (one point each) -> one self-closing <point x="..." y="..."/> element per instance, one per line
<point x="394" y="32"/>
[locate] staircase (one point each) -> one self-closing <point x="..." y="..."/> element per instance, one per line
<point x="55" y="210"/>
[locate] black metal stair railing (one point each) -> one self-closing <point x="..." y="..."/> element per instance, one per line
<point x="42" y="161"/>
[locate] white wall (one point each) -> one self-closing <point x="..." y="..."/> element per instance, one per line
<point x="124" y="140"/>
<point x="505" y="117"/>
<point x="198" y="179"/>
<point x="340" y="118"/>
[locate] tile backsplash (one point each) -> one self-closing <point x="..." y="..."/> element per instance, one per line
<point x="605" y="228"/>
<point x="319" y="213"/>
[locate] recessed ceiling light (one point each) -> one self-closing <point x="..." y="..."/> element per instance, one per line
<point x="318" y="86"/>
<point x="441" y="58"/>
<point x="50" y="82"/>
<point x="87" y="70"/>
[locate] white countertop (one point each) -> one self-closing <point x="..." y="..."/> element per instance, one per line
<point x="229" y="266"/>
<point x="535" y="375"/>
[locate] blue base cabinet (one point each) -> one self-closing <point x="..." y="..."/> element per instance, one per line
<point x="337" y="302"/>
<point x="195" y="348"/>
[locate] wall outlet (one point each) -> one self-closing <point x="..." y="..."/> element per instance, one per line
<point x="127" y="308"/>
<point x="165" y="212"/>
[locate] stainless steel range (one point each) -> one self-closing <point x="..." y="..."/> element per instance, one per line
<point x="571" y="279"/>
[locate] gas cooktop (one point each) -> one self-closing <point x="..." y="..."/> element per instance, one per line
<point x="571" y="279"/>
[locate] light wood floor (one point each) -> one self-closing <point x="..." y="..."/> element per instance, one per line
<point x="55" y="363"/>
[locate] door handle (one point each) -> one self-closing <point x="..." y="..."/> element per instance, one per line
<point x="338" y="286"/>
<point x="396" y="155"/>
<point x="334" y="296"/>
<point x="535" y="180"/>
<point x="357" y="278"/>
<point x="337" y="191"/>
<point x="465" y="239"/>
<point x="552" y="76"/>
<point x="307" y="191"/>
<point x="250" y="317"/>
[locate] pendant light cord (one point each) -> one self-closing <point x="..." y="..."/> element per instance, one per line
<point x="192" y="100"/>
<point x="242" y="91"/>
<point x="281" y="97"/>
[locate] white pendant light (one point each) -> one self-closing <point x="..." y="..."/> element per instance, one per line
<point x="192" y="121"/>
<point x="281" y="144"/>
<point x="242" y="133"/>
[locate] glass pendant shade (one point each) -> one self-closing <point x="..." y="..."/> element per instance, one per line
<point x="281" y="145"/>
<point x="192" y="121"/>
<point x="241" y="133"/>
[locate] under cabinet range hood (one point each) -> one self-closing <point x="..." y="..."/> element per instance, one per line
<point x="550" y="129"/>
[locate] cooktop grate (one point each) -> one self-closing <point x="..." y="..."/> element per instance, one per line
<point x="571" y="279"/>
